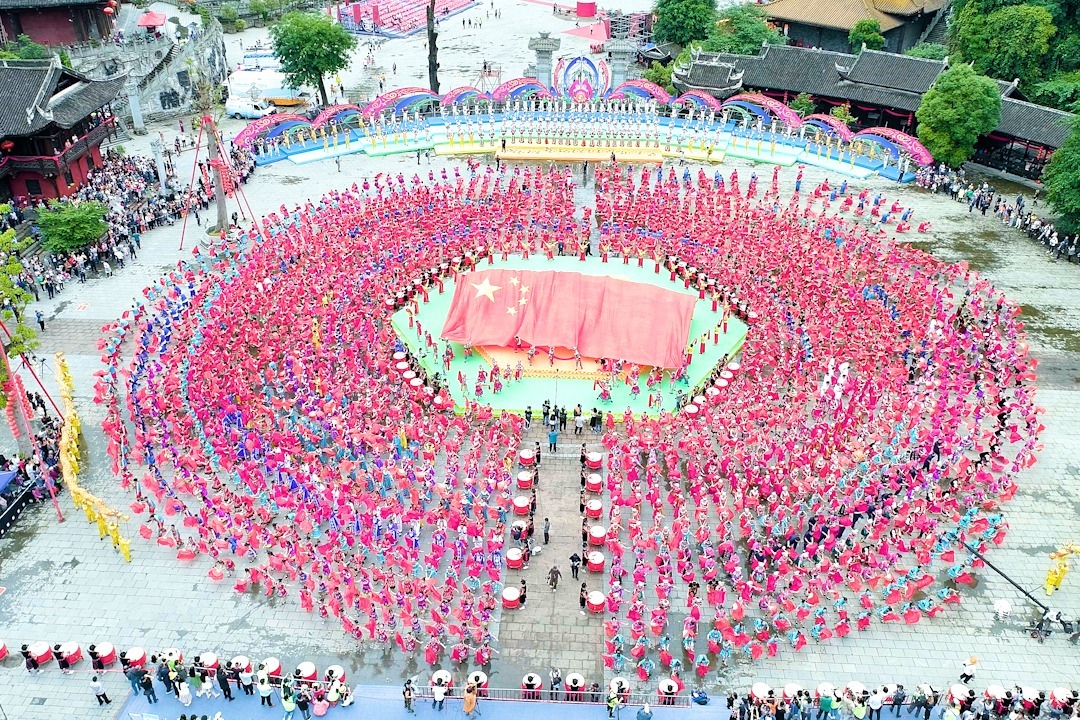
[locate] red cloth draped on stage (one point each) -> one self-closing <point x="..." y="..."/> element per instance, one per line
<point x="599" y="315"/>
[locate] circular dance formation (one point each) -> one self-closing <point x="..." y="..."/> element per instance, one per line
<point x="839" y="472"/>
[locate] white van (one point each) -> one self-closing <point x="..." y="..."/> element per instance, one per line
<point x="245" y="107"/>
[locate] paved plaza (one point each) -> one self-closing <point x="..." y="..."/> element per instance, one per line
<point x="61" y="582"/>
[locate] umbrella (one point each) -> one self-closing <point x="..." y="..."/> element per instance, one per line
<point x="151" y="19"/>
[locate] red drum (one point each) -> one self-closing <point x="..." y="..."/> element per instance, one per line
<point x="692" y="410"/>
<point x="438" y="401"/>
<point x="401" y="366"/>
<point x="700" y="400"/>
<point x="594" y="460"/>
<point x="733" y="366"/>
<point x="71" y="651"/>
<point x="480" y="680"/>
<point x="727" y="375"/>
<point x="41" y="652"/>
<point x="136" y="657"/>
<point x="594" y="509"/>
<point x="593" y="483"/>
<point x="511" y="598"/>
<point x="408" y="375"/>
<point x="594" y="561"/>
<point x="575" y="686"/>
<point x="272" y="666"/>
<point x="399" y="356"/>
<point x="207" y="660"/>
<point x="531" y="685"/>
<point x="3" y="650"/>
<point x="721" y="383"/>
<point x="306" y="671"/>
<point x="389" y="303"/>
<point x="173" y="655"/>
<point x="335" y="673"/>
<point x="514" y="559"/>
<point x="597" y="535"/>
<point x="106" y="653"/>
<point x="241" y="663"/>
<point x="524" y="480"/>
<point x="712" y="395"/>
<point x="526" y="458"/>
<point x="596" y="602"/>
<point x="443" y="677"/>
<point x="521" y="505"/>
<point x="666" y="691"/>
<point x="1058" y="697"/>
<point x="416" y="383"/>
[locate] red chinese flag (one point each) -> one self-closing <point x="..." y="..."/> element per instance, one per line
<point x="599" y="315"/>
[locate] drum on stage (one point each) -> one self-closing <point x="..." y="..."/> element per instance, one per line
<point x="401" y="366"/>
<point x="106" y="653"/>
<point x="511" y="598"/>
<point x="959" y="693"/>
<point x="40" y="651"/>
<point x="727" y="375"/>
<point x="241" y="663"/>
<point x="514" y="559"/>
<point x="595" y="561"/>
<point x="855" y="689"/>
<point x="575" y="685"/>
<point x="306" y="671"/>
<point x="531" y="685"/>
<point x="335" y="673"/>
<point x="995" y="692"/>
<point x="389" y="303"/>
<point x="666" y="691"/>
<point x="596" y="602"/>
<point x="408" y="375"/>
<point x="721" y="383"/>
<point x="712" y="395"/>
<point x="479" y="678"/>
<point x="619" y="686"/>
<point x="760" y="691"/>
<point x="1059" y="696"/>
<point x="526" y="458"/>
<point x="594" y="460"/>
<point x="271" y="666"/>
<point x="594" y="509"/>
<point x="135" y="657"/>
<point x="442" y="677"/>
<point x="207" y="660"/>
<point x="521" y="505"/>
<point x="399" y="356"/>
<point x="594" y="483"/>
<point x="597" y="535"/>
<point x="791" y="690"/>
<point x="692" y="410"/>
<point x="524" y="480"/>
<point x="416" y="383"/>
<point x="733" y="366"/>
<point x="824" y="689"/>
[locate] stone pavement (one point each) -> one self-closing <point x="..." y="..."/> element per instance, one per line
<point x="62" y="583"/>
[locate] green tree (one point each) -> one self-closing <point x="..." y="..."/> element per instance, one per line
<point x="1011" y="42"/>
<point x="742" y="30"/>
<point x="802" y="104"/>
<point x="1062" y="179"/>
<point x="1062" y="92"/>
<point x="684" y="21"/>
<point x="866" y="32"/>
<point x="661" y="75"/>
<point x="67" y="226"/>
<point x="928" y="51"/>
<point x="843" y="113"/>
<point x="13" y="297"/>
<point x="955" y="111"/>
<point x="24" y="49"/>
<point x="310" y="47"/>
<point x="229" y="13"/>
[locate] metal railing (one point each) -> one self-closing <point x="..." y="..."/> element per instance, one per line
<point x="560" y="697"/>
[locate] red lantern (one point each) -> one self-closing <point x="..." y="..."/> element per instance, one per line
<point x="107" y="11"/>
<point x="111" y="3"/>
<point x="7" y="145"/>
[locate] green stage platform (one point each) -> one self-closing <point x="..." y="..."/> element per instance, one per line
<point x="564" y="385"/>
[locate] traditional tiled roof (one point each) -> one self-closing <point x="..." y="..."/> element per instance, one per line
<point x="836" y="14"/>
<point x="896" y="72"/>
<point x="39" y="92"/>
<point x="908" y="7"/>
<point x="1036" y="123"/>
<point x="871" y="78"/>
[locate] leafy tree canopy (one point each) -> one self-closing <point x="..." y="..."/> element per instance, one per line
<point x="843" y="113"/>
<point x="1062" y="179"/>
<point x="802" y="104"/>
<point x="684" y="21"/>
<point x="67" y="226"/>
<point x="661" y="75"/>
<point x="1062" y="92"/>
<point x="311" y="46"/>
<point x="24" y="49"/>
<point x="928" y="51"/>
<point x="959" y="108"/>
<point x="1010" y="42"/>
<point x="866" y="32"/>
<point x="742" y="30"/>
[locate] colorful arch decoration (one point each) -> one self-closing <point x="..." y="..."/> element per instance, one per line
<point x="887" y="137"/>
<point x="580" y="79"/>
<point x="398" y="101"/>
<point x="332" y="112"/>
<point x="287" y="126"/>
<point x="698" y="98"/>
<point x="643" y="88"/>
<point x="773" y="107"/>
<point x="518" y="88"/>
<point x="257" y="127"/>
<point x="830" y="125"/>
<point x="462" y="95"/>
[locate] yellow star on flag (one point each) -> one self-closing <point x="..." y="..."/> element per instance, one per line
<point x="514" y="281"/>
<point x="511" y="310"/>
<point x="485" y="289"/>
<point x="522" y="301"/>
<point x="524" y="289"/>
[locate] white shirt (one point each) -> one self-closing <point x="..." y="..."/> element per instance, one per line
<point x="438" y="692"/>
